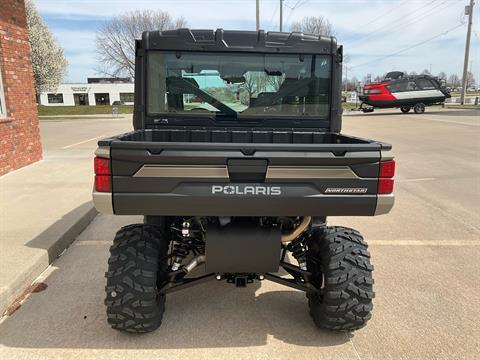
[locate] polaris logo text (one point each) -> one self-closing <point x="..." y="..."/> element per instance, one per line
<point x="346" y="190"/>
<point x="246" y="190"/>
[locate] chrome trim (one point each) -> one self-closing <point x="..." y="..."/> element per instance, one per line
<point x="180" y="171"/>
<point x="310" y="172"/>
<point x="386" y="155"/>
<point x="221" y="172"/>
<point x="103" y="202"/>
<point x="103" y="151"/>
<point x="384" y="204"/>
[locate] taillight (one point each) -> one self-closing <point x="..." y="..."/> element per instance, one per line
<point x="103" y="183"/>
<point x="386" y="174"/>
<point x="372" y="91"/>
<point x="101" y="166"/>
<point x="385" y="186"/>
<point x="103" y="176"/>
<point x="387" y="169"/>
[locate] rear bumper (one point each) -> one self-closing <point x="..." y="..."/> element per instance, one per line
<point x="103" y="202"/>
<point x="209" y="183"/>
<point x="181" y="205"/>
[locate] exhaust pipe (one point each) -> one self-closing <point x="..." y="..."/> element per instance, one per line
<point x="196" y="261"/>
<point x="298" y="230"/>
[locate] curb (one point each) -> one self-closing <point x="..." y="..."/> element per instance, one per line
<point x="68" y="118"/>
<point x="83" y="117"/>
<point x="54" y="240"/>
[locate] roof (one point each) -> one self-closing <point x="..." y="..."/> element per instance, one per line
<point x="396" y="75"/>
<point x="111" y="80"/>
<point x="238" y="41"/>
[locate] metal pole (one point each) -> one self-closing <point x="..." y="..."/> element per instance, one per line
<point x="346" y="78"/>
<point x="281" y="15"/>
<point x="467" y="52"/>
<point x="258" y="14"/>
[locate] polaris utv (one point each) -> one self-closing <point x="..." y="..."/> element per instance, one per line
<point x="235" y="161"/>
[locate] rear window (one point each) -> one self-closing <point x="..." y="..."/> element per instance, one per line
<point x="241" y="85"/>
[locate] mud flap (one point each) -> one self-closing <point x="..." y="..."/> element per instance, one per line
<point x="242" y="247"/>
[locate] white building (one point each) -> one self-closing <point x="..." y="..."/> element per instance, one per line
<point x="96" y="92"/>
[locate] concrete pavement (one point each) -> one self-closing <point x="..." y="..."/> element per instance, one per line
<point x="425" y="255"/>
<point x="437" y="180"/>
<point x="425" y="308"/>
<point x="44" y="206"/>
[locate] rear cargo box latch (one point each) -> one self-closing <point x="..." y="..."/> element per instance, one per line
<point x="247" y="170"/>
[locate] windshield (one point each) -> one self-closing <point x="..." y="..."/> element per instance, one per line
<point x="239" y="85"/>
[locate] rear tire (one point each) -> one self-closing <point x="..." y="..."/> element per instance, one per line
<point x="419" y="108"/>
<point x="340" y="263"/>
<point x="405" y="109"/>
<point x="136" y="269"/>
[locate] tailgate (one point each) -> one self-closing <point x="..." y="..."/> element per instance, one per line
<point x="249" y="179"/>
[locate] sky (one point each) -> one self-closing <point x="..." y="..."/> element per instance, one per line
<point x="378" y="35"/>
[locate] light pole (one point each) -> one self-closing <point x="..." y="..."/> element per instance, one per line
<point x="258" y="14"/>
<point x="346" y="78"/>
<point x="281" y="15"/>
<point x="346" y="60"/>
<point x="467" y="51"/>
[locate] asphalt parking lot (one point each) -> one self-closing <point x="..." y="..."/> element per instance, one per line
<point x="425" y="252"/>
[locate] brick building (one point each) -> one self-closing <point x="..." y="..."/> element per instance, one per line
<point x="19" y="130"/>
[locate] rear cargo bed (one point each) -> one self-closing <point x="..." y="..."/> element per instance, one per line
<point x="242" y="136"/>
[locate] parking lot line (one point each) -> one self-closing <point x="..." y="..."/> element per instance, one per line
<point x="349" y="338"/>
<point x="92" y="242"/>
<point x="371" y="242"/>
<point x="452" y="122"/>
<point x="82" y="142"/>
<point x="425" y="242"/>
<point x="413" y="180"/>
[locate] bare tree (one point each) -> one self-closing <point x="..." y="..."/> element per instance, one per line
<point x="317" y="25"/>
<point x="453" y="81"/>
<point x="367" y="78"/>
<point x="470" y="80"/>
<point x="274" y="82"/>
<point x="48" y="61"/>
<point x="116" y="38"/>
<point x="354" y="83"/>
<point x="254" y="84"/>
<point x="442" y="76"/>
<point x="350" y="84"/>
